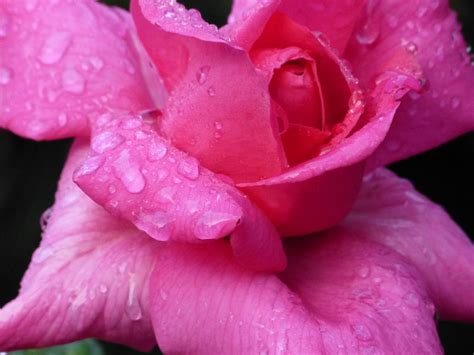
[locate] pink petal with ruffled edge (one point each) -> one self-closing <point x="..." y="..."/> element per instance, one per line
<point x="63" y="62"/>
<point x="137" y="175"/>
<point x="208" y="75"/>
<point x="389" y="211"/>
<point x="429" y="31"/>
<point x="361" y="287"/>
<point x="88" y="278"/>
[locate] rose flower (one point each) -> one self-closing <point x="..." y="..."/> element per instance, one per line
<point x="200" y="151"/>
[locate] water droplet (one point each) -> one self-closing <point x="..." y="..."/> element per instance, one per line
<point x="157" y="150"/>
<point x="220" y="222"/>
<point x="364" y="272"/>
<point x="122" y="267"/>
<point x="90" y="165"/>
<point x="169" y="14"/>
<point x="455" y="102"/>
<point x="211" y="92"/>
<point x="368" y="33"/>
<point x="411" y="47"/>
<point x="45" y="219"/>
<point x="112" y="189"/>
<point x="421" y="11"/>
<point x="72" y="81"/>
<point x="103" y="288"/>
<point x="165" y="195"/>
<point x="106" y="141"/>
<point x="361" y="332"/>
<point x="163" y="295"/>
<point x="6" y="75"/>
<point x="202" y="74"/>
<point x="42" y="254"/>
<point x="97" y="63"/>
<point x="54" y="47"/>
<point x="129" y="173"/>
<point x="62" y="119"/>
<point x="189" y="168"/>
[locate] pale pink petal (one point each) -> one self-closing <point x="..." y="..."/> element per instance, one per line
<point x="429" y="31"/>
<point x="62" y="62"/>
<point x="136" y="174"/>
<point x="219" y="109"/>
<point x="87" y="279"/>
<point x="389" y="211"/>
<point x="339" y="295"/>
<point x="317" y="194"/>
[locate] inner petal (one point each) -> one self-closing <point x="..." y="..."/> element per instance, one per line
<point x="296" y="88"/>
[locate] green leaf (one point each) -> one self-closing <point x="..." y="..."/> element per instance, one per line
<point x="84" y="347"/>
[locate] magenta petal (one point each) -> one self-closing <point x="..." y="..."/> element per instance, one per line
<point x="138" y="175"/>
<point x="389" y="211"/>
<point x="208" y="75"/>
<point x="429" y="31"/>
<point x="87" y="279"/>
<point x="63" y="62"/>
<point x="339" y="294"/>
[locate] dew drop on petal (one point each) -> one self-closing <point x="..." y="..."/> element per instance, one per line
<point x="361" y="332"/>
<point x="54" y="47"/>
<point x="189" y="168"/>
<point x="106" y="141"/>
<point x="62" y="119"/>
<point x="72" y="81"/>
<point x="129" y="173"/>
<point x="368" y="33"/>
<point x="6" y="75"/>
<point x="202" y="74"/>
<point x="4" y="24"/>
<point x="157" y="150"/>
<point x="455" y="102"/>
<point x="90" y="165"/>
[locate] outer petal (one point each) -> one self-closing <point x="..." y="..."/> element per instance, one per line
<point x="325" y="303"/>
<point x="140" y="176"/>
<point x="87" y="279"/>
<point x="389" y="211"/>
<point x="63" y="61"/>
<point x="219" y="109"/>
<point x="429" y="30"/>
<point x="317" y="194"/>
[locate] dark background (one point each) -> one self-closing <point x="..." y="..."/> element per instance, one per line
<point x="29" y="172"/>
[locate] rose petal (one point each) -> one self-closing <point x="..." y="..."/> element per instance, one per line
<point x="208" y="75"/>
<point x="326" y="302"/>
<point x="389" y="211"/>
<point x="429" y="31"/>
<point x="335" y="19"/>
<point x="87" y="279"/>
<point x="63" y="62"/>
<point x="137" y="175"/>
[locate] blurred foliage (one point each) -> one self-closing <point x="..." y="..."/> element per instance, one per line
<point x="85" y="347"/>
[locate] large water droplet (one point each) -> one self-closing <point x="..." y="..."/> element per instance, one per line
<point x="42" y="254"/>
<point x="54" y="47"/>
<point x="211" y="92"/>
<point x="411" y="299"/>
<point x="215" y="223"/>
<point x="165" y="195"/>
<point x="368" y="33"/>
<point x="72" y="81"/>
<point x="62" y="119"/>
<point x="129" y="173"/>
<point x="157" y="150"/>
<point x="6" y="75"/>
<point x="134" y="310"/>
<point x="364" y="272"/>
<point x="103" y="288"/>
<point x="4" y="24"/>
<point x="97" y="63"/>
<point x="106" y="141"/>
<point x="90" y="165"/>
<point x="202" y="74"/>
<point x="189" y="168"/>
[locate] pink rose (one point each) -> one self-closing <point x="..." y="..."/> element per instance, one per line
<point x="269" y="127"/>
